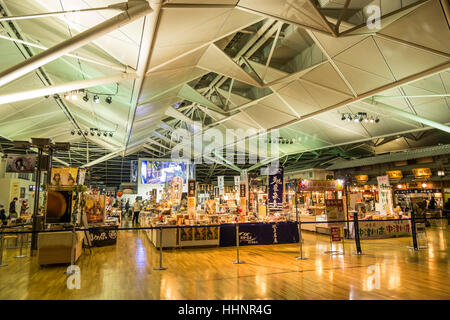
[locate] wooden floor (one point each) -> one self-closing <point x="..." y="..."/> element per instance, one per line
<point x="125" y="271"/>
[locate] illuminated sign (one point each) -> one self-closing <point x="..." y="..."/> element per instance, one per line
<point x="422" y="173"/>
<point x="394" y="175"/>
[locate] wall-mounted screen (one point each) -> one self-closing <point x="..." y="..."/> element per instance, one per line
<point x="161" y="172"/>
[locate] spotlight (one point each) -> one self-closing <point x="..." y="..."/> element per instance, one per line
<point x="356" y="119"/>
<point x="349" y="118"/>
<point x="372" y="120"/>
<point x="79" y="132"/>
<point x="86" y="98"/>
<point x="377" y="120"/>
<point x="66" y="96"/>
<point x="74" y="96"/>
<point x="92" y="133"/>
<point x="110" y="134"/>
<point x="399" y="186"/>
<point x="424" y="185"/>
<point x="105" y="134"/>
<point x="108" y="100"/>
<point x="99" y="134"/>
<point x="366" y="120"/>
<point x="72" y="132"/>
<point x="96" y="99"/>
<point x="85" y="133"/>
<point x="343" y="117"/>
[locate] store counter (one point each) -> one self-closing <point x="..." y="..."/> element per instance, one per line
<point x="259" y="233"/>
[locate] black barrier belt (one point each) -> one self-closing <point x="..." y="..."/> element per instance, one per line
<point x="210" y="225"/>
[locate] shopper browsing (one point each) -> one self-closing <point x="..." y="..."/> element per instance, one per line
<point x="3" y="217"/>
<point x="12" y="208"/>
<point x="136" y="211"/>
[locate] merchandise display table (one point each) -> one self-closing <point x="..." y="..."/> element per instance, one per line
<point x="56" y="247"/>
<point x="259" y="233"/>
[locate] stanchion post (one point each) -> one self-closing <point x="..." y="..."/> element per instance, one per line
<point x="2" y="245"/>
<point x="21" y="246"/>
<point x="237" y="245"/>
<point x="357" y="240"/>
<point x="300" y="240"/>
<point x="415" y="246"/>
<point x="70" y="271"/>
<point x="160" y="251"/>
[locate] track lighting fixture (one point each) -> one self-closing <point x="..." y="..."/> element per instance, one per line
<point x="108" y="100"/>
<point x="96" y="99"/>
<point x="359" y="117"/>
<point x="86" y="98"/>
<point x="72" y="132"/>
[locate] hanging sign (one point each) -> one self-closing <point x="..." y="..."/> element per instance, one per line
<point x="421" y="173"/>
<point x="320" y="185"/>
<point x="362" y="178"/>
<point x="394" y="175"/>
<point x="275" y="202"/>
<point x="242" y="190"/>
<point x="221" y="184"/>
<point x="237" y="180"/>
<point x="385" y="196"/>
<point x="335" y="210"/>
<point x="191" y="188"/>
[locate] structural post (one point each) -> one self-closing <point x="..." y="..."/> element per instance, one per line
<point x="37" y="187"/>
<point x="415" y="246"/>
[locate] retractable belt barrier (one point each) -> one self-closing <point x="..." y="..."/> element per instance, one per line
<point x="161" y="228"/>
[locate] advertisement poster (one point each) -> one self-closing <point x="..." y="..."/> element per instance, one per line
<point x="176" y="189"/>
<point x="64" y="176"/>
<point x="385" y="196"/>
<point x="191" y="207"/>
<point x="335" y="234"/>
<point x="95" y="208"/>
<point x="81" y="176"/>
<point x="21" y="163"/>
<point x="161" y="172"/>
<point x="221" y="184"/>
<point x="275" y="202"/>
<point x="335" y="209"/>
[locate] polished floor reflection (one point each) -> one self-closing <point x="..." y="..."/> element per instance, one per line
<point x="387" y="270"/>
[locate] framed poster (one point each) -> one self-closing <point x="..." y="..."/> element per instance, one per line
<point x="63" y="176"/>
<point x="22" y="193"/>
<point x="21" y="163"/>
<point x="95" y="208"/>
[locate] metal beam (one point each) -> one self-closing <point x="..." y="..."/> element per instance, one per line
<point x="66" y="87"/>
<point x="146" y="49"/>
<point x="134" y="12"/>
<point x="407" y="115"/>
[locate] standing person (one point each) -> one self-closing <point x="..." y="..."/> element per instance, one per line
<point x="136" y="211"/>
<point x="127" y="207"/>
<point x="24" y="207"/>
<point x="12" y="208"/>
<point x="432" y="204"/>
<point x="3" y="217"/>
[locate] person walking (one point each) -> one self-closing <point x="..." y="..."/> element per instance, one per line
<point x="136" y="211"/>
<point x="12" y="208"/>
<point x="127" y="208"/>
<point x="3" y="217"/>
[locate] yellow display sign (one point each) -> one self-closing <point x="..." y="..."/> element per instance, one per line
<point x="320" y="185"/>
<point x="362" y="178"/>
<point x="394" y="175"/>
<point x="422" y="172"/>
<point x="243" y="203"/>
<point x="191" y="207"/>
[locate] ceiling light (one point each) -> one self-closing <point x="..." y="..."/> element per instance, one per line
<point x="349" y="118"/>
<point x="356" y="119"/>
<point x="110" y="134"/>
<point x="72" y="132"/>
<point x="85" y="133"/>
<point x="92" y="133"/>
<point x="343" y="117"/>
<point x="366" y="120"/>
<point x="441" y="173"/>
<point x="66" y="96"/>
<point x="372" y="120"/>
<point x="96" y="99"/>
<point x="399" y="186"/>
<point x="99" y="134"/>
<point x="105" y="134"/>
<point x="79" y="132"/>
<point x="86" y="98"/>
<point x="108" y="100"/>
<point x="424" y="185"/>
<point x="377" y="120"/>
